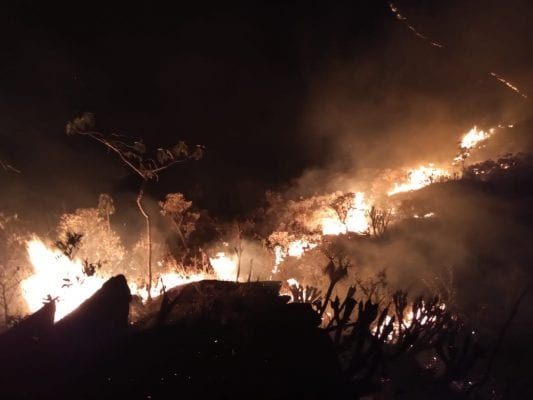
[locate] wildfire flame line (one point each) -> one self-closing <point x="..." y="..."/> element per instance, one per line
<point x="58" y="277"/>
<point x="508" y="84"/>
<point x="403" y="19"/>
<point x="419" y="178"/>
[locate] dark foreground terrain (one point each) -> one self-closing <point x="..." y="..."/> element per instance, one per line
<point x="219" y="340"/>
<point x="227" y="340"/>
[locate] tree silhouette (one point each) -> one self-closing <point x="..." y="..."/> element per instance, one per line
<point x="144" y="163"/>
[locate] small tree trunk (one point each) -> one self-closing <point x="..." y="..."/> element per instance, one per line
<point x="148" y="236"/>
<point x="177" y="226"/>
<point x="5" y="306"/>
<point x="239" y="256"/>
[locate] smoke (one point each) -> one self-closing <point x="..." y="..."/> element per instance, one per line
<point x="330" y="99"/>
<point x="406" y="102"/>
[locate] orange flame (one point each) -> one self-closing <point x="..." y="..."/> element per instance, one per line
<point x="63" y="279"/>
<point x="356" y="218"/>
<point x="419" y="178"/>
<point x="225" y="266"/>
<point x="473" y="137"/>
<point x="59" y="277"/>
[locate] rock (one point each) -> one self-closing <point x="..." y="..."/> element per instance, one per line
<point x="98" y="320"/>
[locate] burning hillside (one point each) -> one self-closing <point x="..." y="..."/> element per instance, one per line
<point x="319" y="200"/>
<point x="334" y="261"/>
<point x="91" y="252"/>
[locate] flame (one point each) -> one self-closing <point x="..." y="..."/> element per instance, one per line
<point x="299" y="247"/>
<point x="296" y="248"/>
<point x="356" y="218"/>
<point x="63" y="279"/>
<point x="166" y="281"/>
<point x="473" y="137"/>
<point x="293" y="282"/>
<point x="419" y="178"/>
<point x="427" y="215"/>
<point x="59" y="277"/>
<point x="286" y="290"/>
<point x="333" y="226"/>
<point x="280" y="255"/>
<point x="225" y="266"/>
<point x="407" y="321"/>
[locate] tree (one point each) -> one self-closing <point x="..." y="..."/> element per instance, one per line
<point x="379" y="220"/>
<point x="342" y="205"/>
<point x="177" y="208"/>
<point x="106" y="208"/>
<point x="12" y="261"/>
<point x="95" y="241"/>
<point x="137" y="157"/>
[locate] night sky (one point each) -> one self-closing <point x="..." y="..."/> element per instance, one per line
<point x="272" y="89"/>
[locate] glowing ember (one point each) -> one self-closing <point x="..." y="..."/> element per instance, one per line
<point x="428" y="215"/>
<point x="474" y="137"/>
<point x="407" y="321"/>
<point x="225" y="266"/>
<point x="59" y="277"/>
<point x="419" y="178"/>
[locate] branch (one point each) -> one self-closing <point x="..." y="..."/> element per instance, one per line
<point x="96" y="136"/>
<point x="151" y="171"/>
<point x="163" y="167"/>
<point x="8" y="167"/>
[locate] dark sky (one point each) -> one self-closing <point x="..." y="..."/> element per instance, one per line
<point x="272" y="89"/>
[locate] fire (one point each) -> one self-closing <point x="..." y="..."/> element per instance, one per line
<point x="166" y="281"/>
<point x="408" y="320"/>
<point x="280" y="255"/>
<point x="356" y="218"/>
<point x="333" y="226"/>
<point x="427" y="215"/>
<point x="225" y="266"/>
<point x="58" y="277"/>
<point x="296" y="249"/>
<point x="419" y="178"/>
<point x="286" y="288"/>
<point x="299" y="247"/>
<point x="473" y="137"/>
